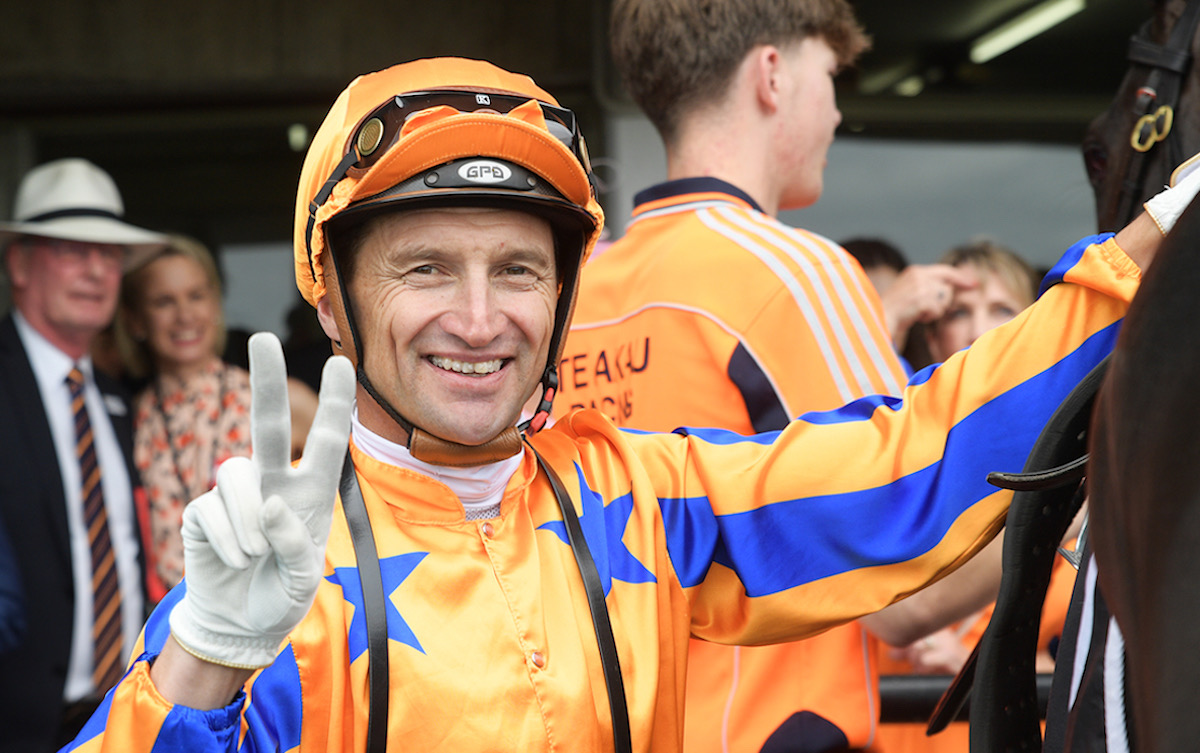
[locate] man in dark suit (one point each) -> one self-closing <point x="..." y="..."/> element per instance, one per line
<point x="66" y="478"/>
<point x="12" y="597"/>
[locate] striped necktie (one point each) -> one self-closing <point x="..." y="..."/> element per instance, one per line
<point x="106" y="597"/>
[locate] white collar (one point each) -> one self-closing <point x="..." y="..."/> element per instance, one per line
<point x="50" y="365"/>
<point x="477" y="487"/>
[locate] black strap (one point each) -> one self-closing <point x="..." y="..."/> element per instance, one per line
<point x="1168" y="64"/>
<point x="1000" y="676"/>
<point x="595" y="596"/>
<point x="82" y="212"/>
<point x="376" y="617"/>
<point x="1144" y="52"/>
<point x="374" y="609"/>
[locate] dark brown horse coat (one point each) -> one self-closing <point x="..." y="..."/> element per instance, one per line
<point x="1145" y="495"/>
<point x="1145" y="448"/>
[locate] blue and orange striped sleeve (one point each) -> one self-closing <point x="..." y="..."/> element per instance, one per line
<point x="783" y="534"/>
<point x="135" y="717"/>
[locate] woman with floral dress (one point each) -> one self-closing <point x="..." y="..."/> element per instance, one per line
<point x="194" y="412"/>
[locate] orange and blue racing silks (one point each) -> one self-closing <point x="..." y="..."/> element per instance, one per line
<point x="708" y="311"/>
<point x="737" y="539"/>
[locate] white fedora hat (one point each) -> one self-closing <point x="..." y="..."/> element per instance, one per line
<point x="72" y="199"/>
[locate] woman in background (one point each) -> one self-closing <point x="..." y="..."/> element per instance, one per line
<point x="1006" y="286"/>
<point x="194" y="412"/>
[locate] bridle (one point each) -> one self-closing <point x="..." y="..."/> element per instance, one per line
<point x="1155" y="103"/>
<point x="1000" y="676"/>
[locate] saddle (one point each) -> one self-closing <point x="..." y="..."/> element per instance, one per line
<point x="1000" y="676"/>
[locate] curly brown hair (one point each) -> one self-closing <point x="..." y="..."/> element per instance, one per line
<point x="676" y="56"/>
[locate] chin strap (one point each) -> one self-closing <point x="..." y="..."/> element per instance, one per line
<point x="431" y="449"/>
<point x="438" y="451"/>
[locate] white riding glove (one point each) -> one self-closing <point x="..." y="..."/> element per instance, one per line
<point x="1166" y="206"/>
<point x="254" y="547"/>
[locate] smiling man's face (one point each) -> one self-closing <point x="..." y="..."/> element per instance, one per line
<point x="455" y="311"/>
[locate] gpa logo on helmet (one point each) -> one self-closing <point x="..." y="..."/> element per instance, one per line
<point x="484" y="171"/>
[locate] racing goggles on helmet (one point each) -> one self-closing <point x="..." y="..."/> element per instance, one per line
<point x="381" y="127"/>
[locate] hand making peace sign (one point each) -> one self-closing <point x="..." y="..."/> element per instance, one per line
<point x="254" y="546"/>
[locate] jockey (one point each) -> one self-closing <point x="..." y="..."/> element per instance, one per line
<point x="525" y="153"/>
<point x="462" y="577"/>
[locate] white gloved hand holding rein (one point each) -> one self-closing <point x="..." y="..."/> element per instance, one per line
<point x="254" y="546"/>
<point x="1167" y="205"/>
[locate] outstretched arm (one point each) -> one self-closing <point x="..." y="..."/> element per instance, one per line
<point x="1140" y="240"/>
<point x="254" y="546"/>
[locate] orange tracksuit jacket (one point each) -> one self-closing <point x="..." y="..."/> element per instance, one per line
<point x="698" y="532"/>
<point x="710" y="313"/>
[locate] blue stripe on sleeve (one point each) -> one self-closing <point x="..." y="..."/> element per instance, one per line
<point x="725" y="436"/>
<point x="194" y="730"/>
<point x="783" y="545"/>
<point x="858" y="410"/>
<point x="692" y="535"/>
<point x="276" y="709"/>
<point x="922" y="376"/>
<point x="1069" y="259"/>
<point x="158" y="626"/>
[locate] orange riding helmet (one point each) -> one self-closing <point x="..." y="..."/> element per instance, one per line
<point x="446" y="132"/>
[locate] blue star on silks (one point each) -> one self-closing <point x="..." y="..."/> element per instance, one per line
<point x="613" y="559"/>
<point x="393" y="571"/>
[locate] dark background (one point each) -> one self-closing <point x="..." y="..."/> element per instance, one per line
<point x="189" y="105"/>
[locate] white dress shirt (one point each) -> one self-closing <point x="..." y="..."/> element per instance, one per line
<point x="480" y="487"/>
<point x="50" y="368"/>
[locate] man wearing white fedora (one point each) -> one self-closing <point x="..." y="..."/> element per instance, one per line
<point x="66" y="480"/>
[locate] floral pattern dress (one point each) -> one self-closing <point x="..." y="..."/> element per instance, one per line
<point x="184" y="429"/>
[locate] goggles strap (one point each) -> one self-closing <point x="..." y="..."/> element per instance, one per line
<point x="322" y="196"/>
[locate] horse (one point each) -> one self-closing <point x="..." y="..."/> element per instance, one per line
<point x="1143" y="487"/>
<point x="1144" y="502"/>
<point x="1153" y="122"/>
<point x="1135" y="444"/>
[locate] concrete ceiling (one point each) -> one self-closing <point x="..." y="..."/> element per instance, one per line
<point x="189" y="105"/>
<point x="1044" y="90"/>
